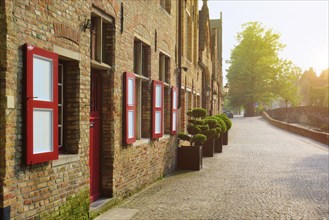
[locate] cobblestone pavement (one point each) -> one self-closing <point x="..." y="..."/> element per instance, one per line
<point x="264" y="173"/>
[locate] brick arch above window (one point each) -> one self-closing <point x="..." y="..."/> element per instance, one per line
<point x="143" y="32"/>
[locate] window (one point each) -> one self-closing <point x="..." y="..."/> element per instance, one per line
<point x="188" y="36"/>
<point x="41" y="105"/>
<point x="188" y="100"/>
<point x="166" y="4"/>
<point x="157" y="109"/>
<point x="142" y="89"/>
<point x="174" y="99"/>
<point x="102" y="38"/>
<point x="164" y="76"/>
<point x="130" y="108"/>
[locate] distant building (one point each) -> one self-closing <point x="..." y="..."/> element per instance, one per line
<point x="313" y="90"/>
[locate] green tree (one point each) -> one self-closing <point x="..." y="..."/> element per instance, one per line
<point x="256" y="73"/>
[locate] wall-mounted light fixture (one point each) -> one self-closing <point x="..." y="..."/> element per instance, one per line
<point x="207" y="91"/>
<point x="225" y="89"/>
<point x="178" y="70"/>
<point x="86" y="25"/>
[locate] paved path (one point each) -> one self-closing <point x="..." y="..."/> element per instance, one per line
<point x="264" y="173"/>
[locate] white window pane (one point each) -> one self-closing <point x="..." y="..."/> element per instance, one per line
<point x="158" y="122"/>
<point x="42" y="130"/>
<point x="174" y="121"/>
<point x="175" y="100"/>
<point x="131" y="126"/>
<point x="131" y="90"/>
<point x="42" y="79"/>
<point x="158" y="96"/>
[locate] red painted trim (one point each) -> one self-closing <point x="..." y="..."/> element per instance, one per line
<point x="128" y="108"/>
<point x="32" y="158"/>
<point x="173" y="110"/>
<point x="155" y="109"/>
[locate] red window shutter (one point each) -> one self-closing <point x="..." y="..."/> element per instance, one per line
<point x="173" y="126"/>
<point x="130" y="108"/>
<point x="41" y="105"/>
<point x="157" y="109"/>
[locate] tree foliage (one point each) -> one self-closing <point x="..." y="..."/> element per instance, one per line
<point x="256" y="73"/>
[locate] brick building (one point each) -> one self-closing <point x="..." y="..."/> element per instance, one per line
<point x="217" y="68"/>
<point x="89" y="100"/>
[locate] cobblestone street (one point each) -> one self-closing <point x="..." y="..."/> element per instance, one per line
<point x="264" y="173"/>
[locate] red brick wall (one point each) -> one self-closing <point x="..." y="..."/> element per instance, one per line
<point x="42" y="190"/>
<point x="140" y="164"/>
<point x="3" y="66"/>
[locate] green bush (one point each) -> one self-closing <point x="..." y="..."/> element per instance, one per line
<point x="221" y="123"/>
<point x="189" y="113"/>
<point x="211" y="122"/>
<point x="199" y="113"/>
<point x="212" y="133"/>
<point x="193" y="129"/>
<point x="198" y="139"/>
<point x="196" y="128"/>
<point x="184" y="137"/>
<point x="195" y="121"/>
<point x="227" y="121"/>
<point x="204" y="129"/>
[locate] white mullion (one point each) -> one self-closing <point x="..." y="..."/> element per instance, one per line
<point x="61" y="104"/>
<point x="98" y="39"/>
<point x="139" y="58"/>
<point x="139" y="109"/>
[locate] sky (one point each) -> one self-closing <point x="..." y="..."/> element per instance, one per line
<point x="303" y="26"/>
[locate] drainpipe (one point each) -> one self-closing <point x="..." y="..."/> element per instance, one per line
<point x="212" y="96"/>
<point x="179" y="69"/>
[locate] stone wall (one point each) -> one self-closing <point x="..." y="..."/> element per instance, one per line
<point x="318" y="136"/>
<point x="313" y="116"/>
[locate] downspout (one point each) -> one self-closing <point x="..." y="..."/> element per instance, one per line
<point x="179" y="68"/>
<point x="212" y="96"/>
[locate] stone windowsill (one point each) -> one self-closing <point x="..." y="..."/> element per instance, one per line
<point x="144" y="141"/>
<point x="65" y="158"/>
<point x="141" y="142"/>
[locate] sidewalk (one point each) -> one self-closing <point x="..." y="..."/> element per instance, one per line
<point x="264" y="173"/>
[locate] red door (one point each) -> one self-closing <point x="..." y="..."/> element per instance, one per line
<point x="95" y="136"/>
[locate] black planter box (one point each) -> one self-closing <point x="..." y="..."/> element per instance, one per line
<point x="189" y="157"/>
<point x="225" y="138"/>
<point x="208" y="148"/>
<point x="219" y="144"/>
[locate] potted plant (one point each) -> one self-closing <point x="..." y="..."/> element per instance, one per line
<point x="228" y="124"/>
<point x="210" y="129"/>
<point x="219" y="138"/>
<point x="189" y="156"/>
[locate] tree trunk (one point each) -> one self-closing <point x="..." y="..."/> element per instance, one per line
<point x="249" y="108"/>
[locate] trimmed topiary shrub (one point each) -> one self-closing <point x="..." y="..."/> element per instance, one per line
<point x="198" y="139"/>
<point x="196" y="127"/>
<point x="227" y="121"/>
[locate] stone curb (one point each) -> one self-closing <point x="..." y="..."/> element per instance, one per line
<point x="317" y="136"/>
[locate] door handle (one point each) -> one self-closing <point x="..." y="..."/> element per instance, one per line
<point x="91" y="125"/>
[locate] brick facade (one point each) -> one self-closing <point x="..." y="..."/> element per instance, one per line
<point x="60" y="189"/>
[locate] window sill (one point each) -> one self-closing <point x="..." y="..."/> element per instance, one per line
<point x="101" y="66"/>
<point x="165" y="10"/>
<point x="65" y="158"/>
<point x="165" y="137"/>
<point x="141" y="142"/>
